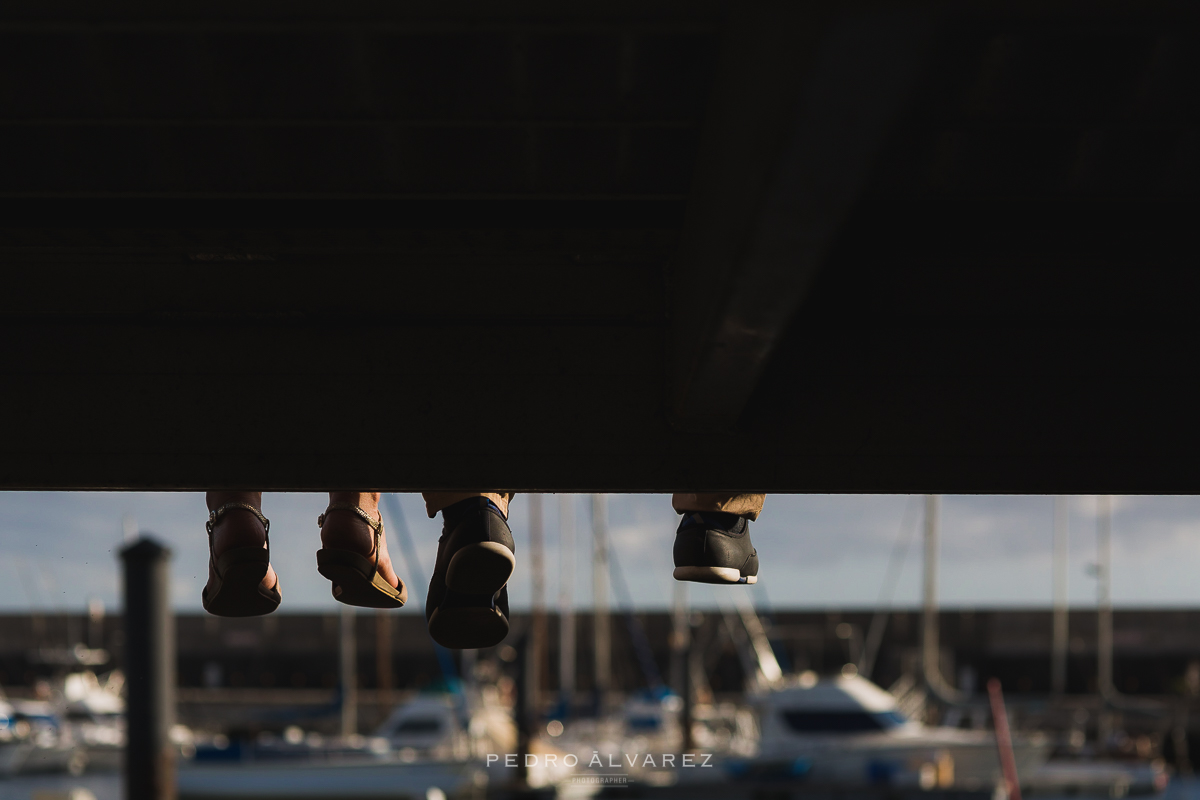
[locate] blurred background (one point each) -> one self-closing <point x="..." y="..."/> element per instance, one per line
<point x="820" y="551"/>
<point x="1085" y="609"/>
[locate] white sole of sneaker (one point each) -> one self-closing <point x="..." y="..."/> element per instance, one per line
<point x="712" y="575"/>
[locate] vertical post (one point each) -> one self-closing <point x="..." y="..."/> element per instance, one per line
<point x="536" y="667"/>
<point x="521" y="711"/>
<point x="566" y="601"/>
<point x="929" y="629"/>
<point x="680" y="677"/>
<point x="689" y="686"/>
<point x="602" y="644"/>
<point x="383" y="658"/>
<point x="679" y="637"/>
<point x="1058" y="656"/>
<point x="1104" y="643"/>
<point x="930" y="646"/>
<point x="1179" y="742"/>
<point x="348" y="663"/>
<point x="150" y="672"/>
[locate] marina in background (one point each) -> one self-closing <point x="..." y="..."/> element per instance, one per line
<point x="686" y="703"/>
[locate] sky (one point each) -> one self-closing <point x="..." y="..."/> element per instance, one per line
<point x="58" y="550"/>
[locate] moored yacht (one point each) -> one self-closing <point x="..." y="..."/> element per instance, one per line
<point x="39" y="741"/>
<point x="848" y="731"/>
<point x="12" y="740"/>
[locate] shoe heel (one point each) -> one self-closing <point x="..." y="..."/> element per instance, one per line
<point x="240" y="593"/>
<point x="480" y="569"/>
<point x="355" y="581"/>
<point x="467" y="622"/>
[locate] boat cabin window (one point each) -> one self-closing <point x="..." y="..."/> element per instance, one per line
<point x="841" y="721"/>
<point x="419" y="725"/>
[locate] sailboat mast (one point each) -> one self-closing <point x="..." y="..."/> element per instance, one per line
<point x="537" y="665"/>
<point x="1058" y="658"/>
<point x="566" y="600"/>
<point x="603" y="642"/>
<point x="930" y="650"/>
<point x="930" y="646"/>
<point x="679" y="638"/>
<point x="1104" y="643"/>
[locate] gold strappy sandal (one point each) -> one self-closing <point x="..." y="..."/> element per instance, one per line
<point x="235" y="588"/>
<point x="356" y="579"/>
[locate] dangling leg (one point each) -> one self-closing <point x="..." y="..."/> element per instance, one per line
<point x="467" y="605"/>
<point x="241" y="582"/>
<point x="712" y="544"/>
<point x="354" y="553"/>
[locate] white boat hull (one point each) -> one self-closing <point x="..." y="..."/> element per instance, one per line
<point x="935" y="759"/>
<point x="352" y="779"/>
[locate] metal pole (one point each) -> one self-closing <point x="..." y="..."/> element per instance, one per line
<point x="521" y="712"/>
<point x="689" y="688"/>
<point x="602" y="645"/>
<point x="930" y="646"/>
<point x="537" y="665"/>
<point x="566" y="600"/>
<point x="879" y="620"/>
<point x="1058" y="658"/>
<point x="679" y="638"/>
<point x="349" y="672"/>
<point x="150" y="672"/>
<point x="929" y="629"/>
<point x="1104" y="643"/>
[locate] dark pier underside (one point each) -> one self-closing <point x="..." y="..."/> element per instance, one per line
<point x="610" y="246"/>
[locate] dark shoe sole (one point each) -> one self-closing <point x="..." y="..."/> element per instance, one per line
<point x="713" y="575"/>
<point x="239" y="592"/>
<point x="356" y="582"/>
<point x="480" y="569"/>
<point x="468" y="627"/>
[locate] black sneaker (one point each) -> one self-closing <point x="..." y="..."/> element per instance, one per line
<point x="714" y="547"/>
<point x="467" y="605"/>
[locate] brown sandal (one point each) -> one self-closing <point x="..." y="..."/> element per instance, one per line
<point x="356" y="579"/>
<point x="235" y="589"/>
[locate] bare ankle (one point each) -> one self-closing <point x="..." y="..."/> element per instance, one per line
<point x="367" y="501"/>
<point x="344" y="529"/>
<point x="215" y="500"/>
<point x="237" y="527"/>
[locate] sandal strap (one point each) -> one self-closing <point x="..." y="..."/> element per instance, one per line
<point x="215" y="516"/>
<point x="375" y="525"/>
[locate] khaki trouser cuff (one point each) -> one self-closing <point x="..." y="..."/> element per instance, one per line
<point x="744" y="505"/>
